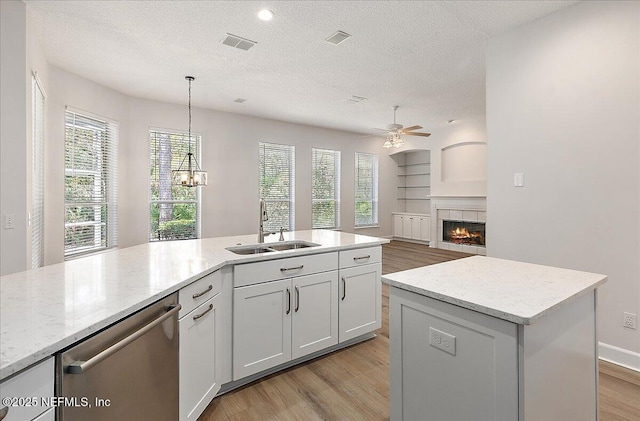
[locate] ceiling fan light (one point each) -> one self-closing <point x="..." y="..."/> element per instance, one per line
<point x="387" y="144"/>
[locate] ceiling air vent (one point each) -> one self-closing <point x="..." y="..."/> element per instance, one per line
<point x="337" y="38"/>
<point x="355" y="99"/>
<point x="238" y="42"/>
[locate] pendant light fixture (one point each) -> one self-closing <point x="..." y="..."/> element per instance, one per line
<point x="189" y="175"/>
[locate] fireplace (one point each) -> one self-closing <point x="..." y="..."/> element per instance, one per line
<point x="463" y="232"/>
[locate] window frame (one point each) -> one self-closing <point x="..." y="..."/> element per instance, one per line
<point x="337" y="157"/>
<point x="197" y="138"/>
<point x="108" y="173"/>
<point x="291" y="150"/>
<point x="373" y="200"/>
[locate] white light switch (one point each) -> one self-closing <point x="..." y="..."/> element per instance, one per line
<point x="442" y="340"/>
<point x="518" y="179"/>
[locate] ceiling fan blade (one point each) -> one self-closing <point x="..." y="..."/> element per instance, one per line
<point x="406" y="129"/>
<point x="417" y="134"/>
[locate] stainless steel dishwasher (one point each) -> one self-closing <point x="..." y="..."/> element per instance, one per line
<point x="129" y="371"/>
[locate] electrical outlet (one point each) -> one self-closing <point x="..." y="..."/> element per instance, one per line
<point x="442" y="341"/>
<point x="629" y="320"/>
<point x="9" y="221"/>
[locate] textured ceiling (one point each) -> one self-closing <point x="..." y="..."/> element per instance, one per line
<point x="426" y="56"/>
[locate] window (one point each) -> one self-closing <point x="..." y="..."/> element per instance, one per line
<point x="366" y="189"/>
<point x="277" y="184"/>
<point x="36" y="216"/>
<point x="90" y="184"/>
<point x="325" y="189"/>
<point x="174" y="210"/>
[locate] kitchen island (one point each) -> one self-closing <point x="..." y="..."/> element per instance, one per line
<point x="490" y="339"/>
<point x="46" y="310"/>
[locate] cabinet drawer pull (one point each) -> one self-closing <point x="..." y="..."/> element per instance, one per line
<point x="200" y="294"/>
<point x="293" y="268"/>
<point x="297" y="298"/>
<point x="368" y="256"/>
<point x="288" y="300"/>
<point x="344" y="288"/>
<point x="197" y="316"/>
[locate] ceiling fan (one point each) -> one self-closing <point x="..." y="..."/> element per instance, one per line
<point x="395" y="131"/>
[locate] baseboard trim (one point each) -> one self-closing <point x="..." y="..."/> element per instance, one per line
<point x="619" y="356"/>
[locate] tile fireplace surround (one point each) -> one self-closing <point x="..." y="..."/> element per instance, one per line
<point x="468" y="209"/>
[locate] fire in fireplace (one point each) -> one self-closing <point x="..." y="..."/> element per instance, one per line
<point x="463" y="232"/>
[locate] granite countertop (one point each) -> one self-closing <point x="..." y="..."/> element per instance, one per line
<point x="514" y="291"/>
<point x="45" y="310"/>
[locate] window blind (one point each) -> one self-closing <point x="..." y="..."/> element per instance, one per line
<point x="36" y="216"/>
<point x="174" y="210"/>
<point x="325" y="188"/>
<point x="277" y="184"/>
<point x="91" y="184"/>
<point x="366" y="189"/>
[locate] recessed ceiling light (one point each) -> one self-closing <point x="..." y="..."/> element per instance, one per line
<point x="451" y="121"/>
<point x="239" y="100"/>
<point x="265" y="15"/>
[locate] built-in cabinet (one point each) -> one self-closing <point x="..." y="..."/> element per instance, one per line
<point x="277" y="320"/>
<point x="204" y="335"/>
<point x="457" y="364"/>
<point x="29" y="394"/>
<point x="360" y="292"/>
<point x="412" y="226"/>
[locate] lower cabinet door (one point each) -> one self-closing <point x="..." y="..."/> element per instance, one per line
<point x="397" y="225"/>
<point x="198" y="384"/>
<point x="261" y="327"/>
<point x="360" y="303"/>
<point x="425" y="228"/>
<point x="315" y="313"/>
<point x="415" y="227"/>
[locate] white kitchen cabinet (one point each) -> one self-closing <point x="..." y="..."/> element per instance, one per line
<point x="275" y="322"/>
<point x="261" y="327"/>
<point x="360" y="300"/>
<point x="412" y="226"/>
<point x="397" y="225"/>
<point x="49" y="415"/>
<point x="456" y="364"/>
<point x="27" y="388"/>
<point x="201" y="353"/>
<point x="425" y="228"/>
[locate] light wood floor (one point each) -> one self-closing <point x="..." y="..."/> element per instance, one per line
<point x="353" y="384"/>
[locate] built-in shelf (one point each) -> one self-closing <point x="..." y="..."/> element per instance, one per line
<point x="414" y="171"/>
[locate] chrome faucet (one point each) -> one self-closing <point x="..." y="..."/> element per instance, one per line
<point x="264" y="216"/>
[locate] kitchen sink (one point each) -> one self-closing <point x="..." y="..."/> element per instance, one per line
<point x="292" y="245"/>
<point x="270" y="247"/>
<point x="252" y="249"/>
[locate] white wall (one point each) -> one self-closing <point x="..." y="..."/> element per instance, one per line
<point x="229" y="154"/>
<point x="563" y="107"/>
<point x="472" y="158"/>
<point x="13" y="134"/>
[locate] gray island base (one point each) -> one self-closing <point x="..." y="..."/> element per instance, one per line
<point x="490" y="339"/>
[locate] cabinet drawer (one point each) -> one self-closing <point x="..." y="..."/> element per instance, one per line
<point x="254" y="273"/>
<point x="198" y="292"/>
<point x="35" y="382"/>
<point x="358" y="257"/>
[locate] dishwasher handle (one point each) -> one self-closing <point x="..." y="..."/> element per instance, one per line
<point x="79" y="367"/>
